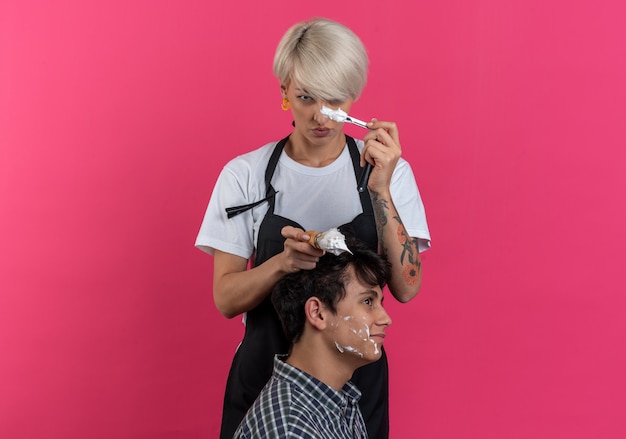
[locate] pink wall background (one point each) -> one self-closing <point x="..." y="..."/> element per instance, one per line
<point x="116" y="117"/>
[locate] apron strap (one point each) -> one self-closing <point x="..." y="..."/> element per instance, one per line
<point x="366" y="202"/>
<point x="269" y="192"/>
<point x="271" y="166"/>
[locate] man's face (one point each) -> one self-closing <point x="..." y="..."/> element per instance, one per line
<point x="358" y="328"/>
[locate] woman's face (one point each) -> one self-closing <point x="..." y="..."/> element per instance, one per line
<point x="311" y="125"/>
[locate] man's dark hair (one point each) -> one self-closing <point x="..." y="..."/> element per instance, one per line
<point x="326" y="282"/>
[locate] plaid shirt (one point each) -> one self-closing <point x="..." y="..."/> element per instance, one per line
<point x="296" y="405"/>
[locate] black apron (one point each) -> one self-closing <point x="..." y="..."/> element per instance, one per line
<point x="254" y="361"/>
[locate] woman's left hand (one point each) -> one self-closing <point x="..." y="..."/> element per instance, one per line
<point x="382" y="149"/>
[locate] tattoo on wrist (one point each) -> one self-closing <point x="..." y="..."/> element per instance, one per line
<point x="380" y="207"/>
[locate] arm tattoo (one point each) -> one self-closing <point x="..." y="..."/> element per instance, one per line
<point x="410" y="260"/>
<point x="380" y="207"/>
<point x="410" y="251"/>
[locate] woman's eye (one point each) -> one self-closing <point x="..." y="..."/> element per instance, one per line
<point x="306" y="98"/>
<point x="368" y="301"/>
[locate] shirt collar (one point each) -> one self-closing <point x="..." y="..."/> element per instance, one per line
<point x="318" y="390"/>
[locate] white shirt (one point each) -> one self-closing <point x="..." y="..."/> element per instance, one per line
<point x="316" y="198"/>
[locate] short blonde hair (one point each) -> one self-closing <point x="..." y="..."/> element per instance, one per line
<point x="324" y="57"/>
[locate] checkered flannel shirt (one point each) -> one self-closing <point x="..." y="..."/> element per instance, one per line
<point x="296" y="405"/>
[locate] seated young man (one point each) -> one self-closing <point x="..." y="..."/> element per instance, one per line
<point x="336" y="322"/>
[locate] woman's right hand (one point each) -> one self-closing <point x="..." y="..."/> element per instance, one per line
<point x="298" y="254"/>
<point x="382" y="150"/>
<point x="237" y="289"/>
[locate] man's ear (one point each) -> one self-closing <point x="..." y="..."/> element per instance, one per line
<point x="316" y="313"/>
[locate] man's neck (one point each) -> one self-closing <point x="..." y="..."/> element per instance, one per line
<point x="329" y="368"/>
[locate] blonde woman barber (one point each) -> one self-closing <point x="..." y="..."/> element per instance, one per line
<point x="264" y="200"/>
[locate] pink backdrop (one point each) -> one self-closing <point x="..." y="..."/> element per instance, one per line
<point x="116" y="117"/>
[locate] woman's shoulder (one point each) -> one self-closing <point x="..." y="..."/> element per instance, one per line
<point x="255" y="155"/>
<point x="252" y="160"/>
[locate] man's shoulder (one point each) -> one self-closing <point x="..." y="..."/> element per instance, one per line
<point x="288" y="397"/>
<point x="276" y="410"/>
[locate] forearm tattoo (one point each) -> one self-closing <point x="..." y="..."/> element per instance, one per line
<point x="381" y="208"/>
<point x="410" y="256"/>
<point x="409" y="260"/>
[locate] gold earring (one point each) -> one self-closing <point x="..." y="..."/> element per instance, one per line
<point x="286" y="105"/>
